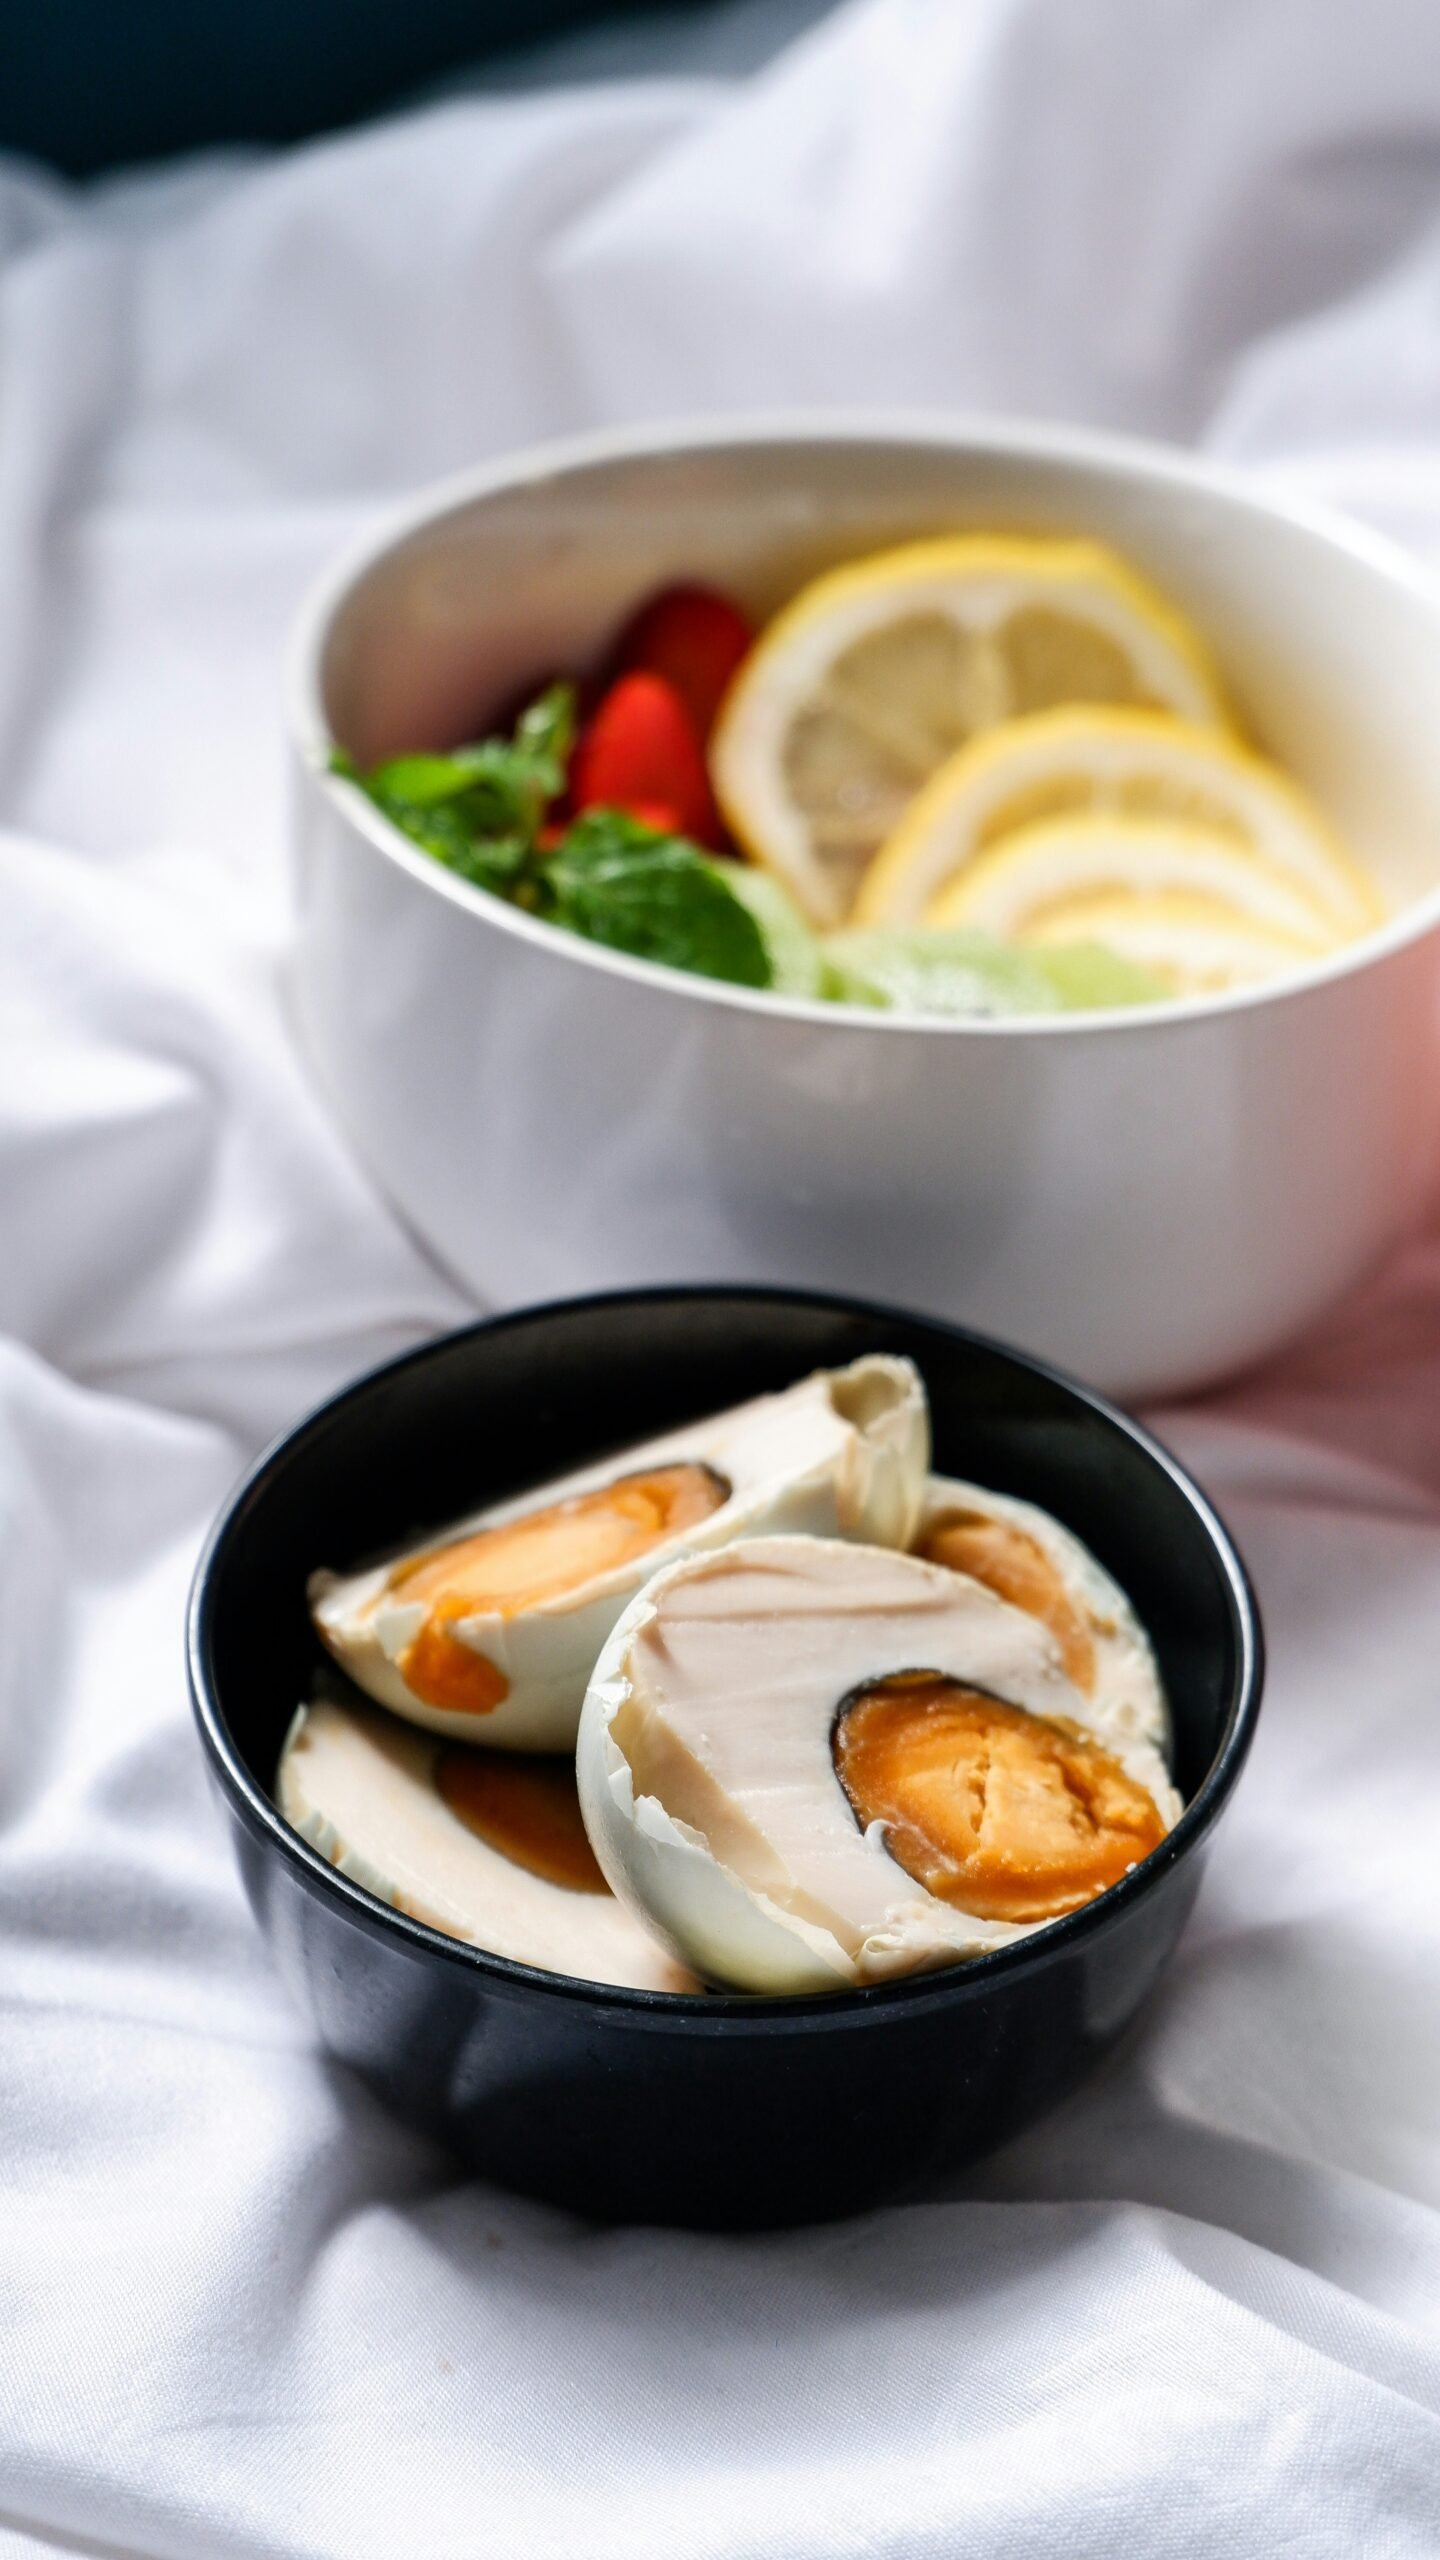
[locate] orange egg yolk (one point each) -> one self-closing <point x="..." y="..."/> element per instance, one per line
<point x="1016" y="1568"/>
<point x="1012" y="1816"/>
<point x="539" y="1556"/>
<point x="525" y="1806"/>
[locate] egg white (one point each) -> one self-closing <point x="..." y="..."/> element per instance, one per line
<point x="361" y="1789"/>
<point x="842" y="1454"/>
<point x="1128" y="1688"/>
<point x="796" y="1898"/>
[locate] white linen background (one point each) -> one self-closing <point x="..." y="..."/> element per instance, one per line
<point x="1198" y="2311"/>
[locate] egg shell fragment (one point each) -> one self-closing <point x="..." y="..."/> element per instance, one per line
<point x="705" y="1768"/>
<point x="361" y="1789"/>
<point x="841" y="1454"/>
<point x="1127" y="1677"/>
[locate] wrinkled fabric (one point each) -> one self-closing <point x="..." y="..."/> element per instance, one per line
<point x="1196" y="2312"/>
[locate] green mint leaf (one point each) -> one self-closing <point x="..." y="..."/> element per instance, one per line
<point x="546" y="730"/>
<point x="419" y="782"/>
<point x="657" y="897"/>
<point x="494" y="862"/>
<point x="470" y="807"/>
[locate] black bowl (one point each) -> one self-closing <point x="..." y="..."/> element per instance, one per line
<point x="651" y="2106"/>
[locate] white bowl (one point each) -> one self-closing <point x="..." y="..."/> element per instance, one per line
<point x="1152" y="1198"/>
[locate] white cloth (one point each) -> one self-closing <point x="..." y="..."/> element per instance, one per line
<point x="1196" y="2313"/>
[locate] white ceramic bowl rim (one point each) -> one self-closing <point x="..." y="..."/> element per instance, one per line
<point x="1121" y="456"/>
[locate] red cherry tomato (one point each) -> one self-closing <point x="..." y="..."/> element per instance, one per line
<point x="640" y="753"/>
<point x="654" y="813"/>
<point x="695" y="638"/>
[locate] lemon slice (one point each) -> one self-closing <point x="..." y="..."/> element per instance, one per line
<point x="1198" y="945"/>
<point x="1137" y="764"/>
<point x="876" y="673"/>
<point x="1013" y="889"/>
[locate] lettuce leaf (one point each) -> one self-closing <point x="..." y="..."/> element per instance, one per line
<point x="795" y="955"/>
<point x="958" y="976"/>
<point x="1088" y="975"/>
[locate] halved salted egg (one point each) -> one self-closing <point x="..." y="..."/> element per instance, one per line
<point x="1028" y="1558"/>
<point x="490" y="1628"/>
<point x="486" y="1845"/>
<point x="807" y="1765"/>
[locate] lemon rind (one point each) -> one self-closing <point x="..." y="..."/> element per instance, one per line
<point x="757" y="707"/>
<point x="1283" y="900"/>
<point x="915" y="864"/>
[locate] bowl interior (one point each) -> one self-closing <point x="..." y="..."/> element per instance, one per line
<point x="487" y="1412"/>
<point x="1329" y="645"/>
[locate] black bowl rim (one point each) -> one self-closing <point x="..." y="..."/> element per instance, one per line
<point x="714" y="2011"/>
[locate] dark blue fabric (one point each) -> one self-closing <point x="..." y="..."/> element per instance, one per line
<point x="91" y="84"/>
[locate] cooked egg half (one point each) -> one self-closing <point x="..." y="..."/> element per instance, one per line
<point x="1027" y="1558"/>
<point x="486" y="1845"/>
<point x="808" y="1765"/>
<point x="490" y="1629"/>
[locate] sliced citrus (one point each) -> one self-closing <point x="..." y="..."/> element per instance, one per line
<point x="1138" y="764"/>
<point x="1013" y="888"/>
<point x="1195" y="944"/>
<point x="876" y="673"/>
